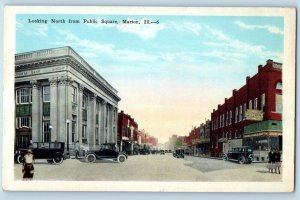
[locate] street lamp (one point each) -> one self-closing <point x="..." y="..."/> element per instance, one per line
<point x="50" y="128"/>
<point x="68" y="122"/>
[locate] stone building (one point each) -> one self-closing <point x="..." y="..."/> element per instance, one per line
<point x="60" y="97"/>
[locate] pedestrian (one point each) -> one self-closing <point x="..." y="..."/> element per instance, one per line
<point x="271" y="166"/>
<point x="77" y="149"/>
<point x="277" y="156"/>
<point x="28" y="168"/>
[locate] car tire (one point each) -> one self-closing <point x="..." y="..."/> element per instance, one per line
<point x="121" y="158"/>
<point x="242" y="160"/>
<point x="90" y="158"/>
<point x="250" y="159"/>
<point x="58" y="159"/>
<point x="20" y="159"/>
<point x="225" y="157"/>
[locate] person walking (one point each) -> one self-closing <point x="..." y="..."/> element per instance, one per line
<point x="277" y="161"/>
<point x="28" y="168"/>
<point x="271" y="166"/>
<point x="77" y="149"/>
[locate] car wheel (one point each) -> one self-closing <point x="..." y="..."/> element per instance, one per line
<point x="242" y="159"/>
<point x="121" y="158"/>
<point x="90" y="158"/>
<point x="225" y="157"/>
<point x="250" y="158"/>
<point x="20" y="159"/>
<point x="58" y="159"/>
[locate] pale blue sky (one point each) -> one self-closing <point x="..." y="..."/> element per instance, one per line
<point x="169" y="75"/>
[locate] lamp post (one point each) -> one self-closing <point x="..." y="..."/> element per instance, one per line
<point x="68" y="122"/>
<point x="50" y="128"/>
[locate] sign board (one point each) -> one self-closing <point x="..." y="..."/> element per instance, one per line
<point x="255" y="115"/>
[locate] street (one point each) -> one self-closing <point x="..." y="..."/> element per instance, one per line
<point x="151" y="168"/>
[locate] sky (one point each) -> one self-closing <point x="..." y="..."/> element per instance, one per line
<point x="170" y="75"/>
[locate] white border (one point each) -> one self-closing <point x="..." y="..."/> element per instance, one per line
<point x="287" y="184"/>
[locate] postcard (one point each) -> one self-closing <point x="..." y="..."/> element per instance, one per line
<point x="168" y="99"/>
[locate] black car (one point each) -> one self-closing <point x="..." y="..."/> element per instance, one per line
<point x="243" y="154"/>
<point x="106" y="151"/>
<point x="53" y="152"/>
<point x="178" y="153"/>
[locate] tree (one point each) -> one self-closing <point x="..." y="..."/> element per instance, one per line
<point x="178" y="143"/>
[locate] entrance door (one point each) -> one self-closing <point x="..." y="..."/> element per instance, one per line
<point x="46" y="131"/>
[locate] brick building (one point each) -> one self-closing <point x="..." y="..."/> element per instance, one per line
<point x="128" y="136"/>
<point x="251" y="116"/>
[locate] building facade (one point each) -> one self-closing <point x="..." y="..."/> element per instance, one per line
<point x="60" y="97"/>
<point x="251" y="116"/>
<point x="128" y="135"/>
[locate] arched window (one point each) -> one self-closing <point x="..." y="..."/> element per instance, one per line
<point x="279" y="86"/>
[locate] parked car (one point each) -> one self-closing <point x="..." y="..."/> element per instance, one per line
<point x="53" y="152"/>
<point x="243" y="154"/>
<point x="178" y="153"/>
<point x="106" y="151"/>
<point x="162" y="152"/>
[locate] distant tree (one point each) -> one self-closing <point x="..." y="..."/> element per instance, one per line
<point x="178" y="143"/>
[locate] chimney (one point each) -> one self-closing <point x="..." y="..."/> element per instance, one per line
<point x="259" y="68"/>
<point x="269" y="61"/>
<point x="247" y="79"/>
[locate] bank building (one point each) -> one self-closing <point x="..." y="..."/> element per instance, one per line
<point x="60" y="97"/>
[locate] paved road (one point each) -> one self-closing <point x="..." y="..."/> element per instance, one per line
<point x="152" y="168"/>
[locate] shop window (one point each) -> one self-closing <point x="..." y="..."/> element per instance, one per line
<point x="250" y="104"/>
<point x="255" y="104"/>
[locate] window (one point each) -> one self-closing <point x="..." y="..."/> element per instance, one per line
<point x="220" y="121"/>
<point x="223" y="121"/>
<point x="74" y="95"/>
<point x="250" y="104"/>
<point x="84" y="132"/>
<point x="262" y="101"/>
<point x="244" y="112"/>
<point x="230" y="117"/>
<point x="255" y="104"/>
<point x="241" y="113"/>
<point x="236" y="114"/>
<point x="96" y="136"/>
<point x="230" y="135"/>
<point x="278" y="99"/>
<point x="23" y="122"/>
<point x="279" y="86"/>
<point x="84" y="101"/>
<point x="73" y="128"/>
<point x="46" y="94"/>
<point x="23" y="95"/>
<point x="226" y="118"/>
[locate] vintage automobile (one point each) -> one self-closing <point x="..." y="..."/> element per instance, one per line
<point x="53" y="152"/>
<point x="178" y="153"/>
<point x="106" y="151"/>
<point x="243" y="154"/>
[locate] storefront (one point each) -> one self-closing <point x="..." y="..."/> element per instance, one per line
<point x="262" y="137"/>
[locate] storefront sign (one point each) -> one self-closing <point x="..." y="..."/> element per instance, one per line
<point x="255" y="115"/>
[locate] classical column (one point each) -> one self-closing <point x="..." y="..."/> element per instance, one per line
<point x="35" y="111"/>
<point x="69" y="88"/>
<point x="103" y="122"/>
<point x="79" y="113"/>
<point x="62" y="101"/>
<point x="92" y="121"/>
<point x="115" y="124"/>
<point x="109" y="131"/>
<point x="53" y="108"/>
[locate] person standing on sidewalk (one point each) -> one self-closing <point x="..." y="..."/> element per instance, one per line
<point x="77" y="149"/>
<point x="28" y="168"/>
<point x="277" y="156"/>
<point x="271" y="166"/>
